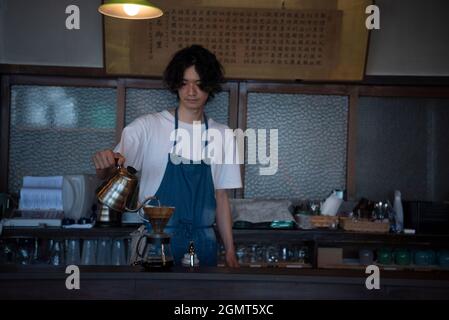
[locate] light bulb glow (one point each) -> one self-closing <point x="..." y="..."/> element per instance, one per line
<point x="131" y="9"/>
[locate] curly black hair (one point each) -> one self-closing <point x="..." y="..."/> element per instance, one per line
<point x="206" y="65"/>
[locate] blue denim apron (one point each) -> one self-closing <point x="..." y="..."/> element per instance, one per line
<point x="189" y="188"/>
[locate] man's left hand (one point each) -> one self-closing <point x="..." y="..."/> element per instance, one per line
<point x="231" y="260"/>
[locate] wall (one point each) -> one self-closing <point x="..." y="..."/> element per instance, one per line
<point x="412" y="40"/>
<point x="34" y="33"/>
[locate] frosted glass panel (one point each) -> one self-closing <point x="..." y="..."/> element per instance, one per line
<point x="144" y="101"/>
<point x="312" y="145"/>
<point x="56" y="130"/>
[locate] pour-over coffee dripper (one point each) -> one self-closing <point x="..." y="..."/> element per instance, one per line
<point x="158" y="217"/>
<point x="157" y="251"/>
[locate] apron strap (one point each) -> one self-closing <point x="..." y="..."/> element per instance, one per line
<point x="177" y="123"/>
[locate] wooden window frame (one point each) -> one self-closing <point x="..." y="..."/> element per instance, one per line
<point x="238" y="99"/>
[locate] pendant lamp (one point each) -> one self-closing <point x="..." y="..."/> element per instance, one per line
<point x="130" y="9"/>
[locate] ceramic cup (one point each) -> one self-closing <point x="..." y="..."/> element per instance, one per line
<point x="402" y="257"/>
<point x="443" y="258"/>
<point x="366" y="256"/>
<point x="424" y="257"/>
<point x="384" y="256"/>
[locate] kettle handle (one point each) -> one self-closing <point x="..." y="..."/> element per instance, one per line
<point x="117" y="166"/>
<point x="140" y="255"/>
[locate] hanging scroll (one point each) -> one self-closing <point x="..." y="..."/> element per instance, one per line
<point x="250" y="43"/>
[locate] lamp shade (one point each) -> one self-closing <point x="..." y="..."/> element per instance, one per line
<point x="130" y="9"/>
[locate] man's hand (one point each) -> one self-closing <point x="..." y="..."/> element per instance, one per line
<point x="231" y="260"/>
<point x="105" y="161"/>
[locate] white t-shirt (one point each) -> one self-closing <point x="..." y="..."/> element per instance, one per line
<point x="145" y="143"/>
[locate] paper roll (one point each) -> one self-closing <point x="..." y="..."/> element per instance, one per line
<point x="331" y="205"/>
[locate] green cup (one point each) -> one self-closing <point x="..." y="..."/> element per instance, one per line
<point x="443" y="258"/>
<point x="402" y="257"/>
<point x="424" y="257"/>
<point x="384" y="256"/>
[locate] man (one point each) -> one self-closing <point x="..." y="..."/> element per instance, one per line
<point x="195" y="188"/>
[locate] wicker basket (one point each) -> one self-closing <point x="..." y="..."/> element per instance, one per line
<point x="364" y="225"/>
<point x="316" y="221"/>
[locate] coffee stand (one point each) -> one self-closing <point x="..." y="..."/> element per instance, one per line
<point x="355" y="117"/>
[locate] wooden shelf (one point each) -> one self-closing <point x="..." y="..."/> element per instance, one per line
<point x="312" y="239"/>
<point x="339" y="237"/>
<point x="61" y="233"/>
<point x="392" y="267"/>
<point x="293" y="236"/>
<point x="287" y="265"/>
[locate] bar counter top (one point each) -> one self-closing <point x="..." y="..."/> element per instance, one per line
<point x="106" y="282"/>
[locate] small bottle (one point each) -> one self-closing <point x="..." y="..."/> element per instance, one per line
<point x="190" y="258"/>
<point x="391" y="216"/>
<point x="399" y="212"/>
<point x="191" y="254"/>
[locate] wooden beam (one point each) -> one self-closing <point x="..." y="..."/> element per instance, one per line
<point x="5" y="106"/>
<point x="52" y="70"/>
<point x="121" y="103"/>
<point x="351" y="156"/>
<point x="233" y="111"/>
<point x="405" y="91"/>
<point x="144" y="83"/>
<point x="62" y="81"/>
<point x="242" y="118"/>
<point x="297" y="88"/>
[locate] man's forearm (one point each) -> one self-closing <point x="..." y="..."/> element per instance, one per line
<point x="224" y="220"/>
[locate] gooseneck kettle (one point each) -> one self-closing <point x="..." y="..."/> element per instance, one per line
<point x="115" y="193"/>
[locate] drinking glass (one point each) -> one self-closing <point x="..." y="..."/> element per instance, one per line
<point x="7" y="252"/>
<point x="57" y="253"/>
<point x="241" y="253"/>
<point x="253" y="253"/>
<point x="88" y="256"/>
<point x="118" y="252"/>
<point x="285" y="253"/>
<point x="73" y="252"/>
<point x="272" y="254"/>
<point x="25" y="251"/>
<point x="104" y="252"/>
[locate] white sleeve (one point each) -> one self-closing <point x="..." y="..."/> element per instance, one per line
<point x="131" y="144"/>
<point x="227" y="175"/>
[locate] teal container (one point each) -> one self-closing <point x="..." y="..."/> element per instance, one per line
<point x="443" y="258"/>
<point x="384" y="256"/>
<point x="402" y="257"/>
<point x="424" y="257"/>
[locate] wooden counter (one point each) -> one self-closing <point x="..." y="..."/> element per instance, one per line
<point x="97" y="282"/>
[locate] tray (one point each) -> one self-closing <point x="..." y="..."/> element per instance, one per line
<point x="316" y="221"/>
<point x="364" y="225"/>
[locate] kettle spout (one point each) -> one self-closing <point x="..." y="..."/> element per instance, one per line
<point x="145" y="201"/>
